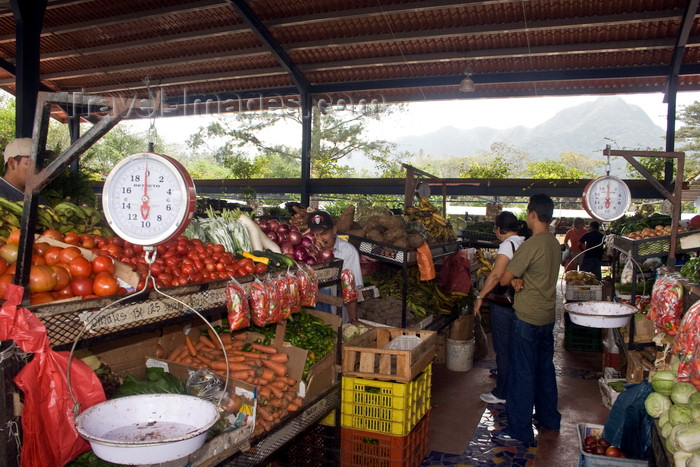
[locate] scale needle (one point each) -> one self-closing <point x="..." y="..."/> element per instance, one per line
<point x="145" y="208"/>
<point x="607" y="198"/>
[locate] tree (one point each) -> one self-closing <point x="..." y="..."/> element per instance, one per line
<point x="335" y="135"/>
<point x="571" y="165"/>
<point x="502" y="160"/>
<point x="114" y="146"/>
<point x="689" y="136"/>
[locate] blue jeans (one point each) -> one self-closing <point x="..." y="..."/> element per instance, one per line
<point x="592" y="265"/>
<point x="501" y="322"/>
<point x="533" y="381"/>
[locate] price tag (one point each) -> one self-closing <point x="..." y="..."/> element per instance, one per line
<point x="130" y="314"/>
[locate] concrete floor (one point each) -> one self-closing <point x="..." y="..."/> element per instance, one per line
<point x="457" y="409"/>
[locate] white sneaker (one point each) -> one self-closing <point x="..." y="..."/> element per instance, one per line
<point x="491" y="399"/>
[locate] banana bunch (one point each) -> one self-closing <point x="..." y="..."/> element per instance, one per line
<point x="11" y="215"/>
<point x="81" y="219"/>
<point x="485" y="265"/>
<point x="439" y="228"/>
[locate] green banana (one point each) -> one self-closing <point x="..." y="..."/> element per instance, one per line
<point x="14" y="208"/>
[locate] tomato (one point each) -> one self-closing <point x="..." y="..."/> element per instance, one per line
<point x="62" y="277"/>
<point x="65" y="292"/>
<point x="103" y="263"/>
<point x="100" y="241"/>
<point x="188" y="269"/>
<point x="156" y="268"/>
<point x="68" y="254"/>
<point x="40" y="247"/>
<point x="38" y="298"/>
<point x="612" y="451"/>
<point x="219" y="248"/>
<point x="4" y="280"/>
<point x="81" y="286"/>
<point x="129" y="252"/>
<point x="260" y="268"/>
<point x="13" y="237"/>
<point x="113" y="250"/>
<point x="80" y="267"/>
<point x="246" y="265"/>
<point x="87" y="241"/>
<point x="3" y="266"/>
<point x="54" y="234"/>
<point x="37" y="259"/>
<point x="8" y="252"/>
<point x="165" y="278"/>
<point x="118" y="241"/>
<point x="42" y="278"/>
<point x="105" y="284"/>
<point x="71" y="238"/>
<point x="52" y="255"/>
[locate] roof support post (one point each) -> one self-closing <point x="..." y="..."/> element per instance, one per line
<point x="306" y="116"/>
<point x="29" y="17"/>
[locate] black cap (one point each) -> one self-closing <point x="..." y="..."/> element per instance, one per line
<point x="320" y="220"/>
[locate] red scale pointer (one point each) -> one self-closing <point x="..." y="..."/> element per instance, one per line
<point x="145" y="208"/>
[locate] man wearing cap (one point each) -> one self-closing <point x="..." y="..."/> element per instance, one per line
<point x="12" y="184"/>
<point x="325" y="231"/>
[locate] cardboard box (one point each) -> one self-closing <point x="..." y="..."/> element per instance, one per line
<point x="607" y="393"/>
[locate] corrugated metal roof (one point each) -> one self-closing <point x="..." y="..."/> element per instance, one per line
<point x="398" y="50"/>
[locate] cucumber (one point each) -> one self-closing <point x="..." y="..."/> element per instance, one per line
<point x="284" y="260"/>
<point x="274" y="260"/>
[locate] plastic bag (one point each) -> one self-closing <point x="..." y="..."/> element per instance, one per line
<point x="627" y="273"/>
<point x="455" y="273"/>
<point x="424" y="258"/>
<point x="629" y="425"/>
<point x="49" y="434"/>
<point x="480" y="343"/>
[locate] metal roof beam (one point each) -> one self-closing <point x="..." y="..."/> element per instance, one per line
<point x="247" y="15"/>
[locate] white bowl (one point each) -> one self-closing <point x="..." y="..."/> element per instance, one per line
<point x="595" y="314"/>
<point x="148" y="428"/>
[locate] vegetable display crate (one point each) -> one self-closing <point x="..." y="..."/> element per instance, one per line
<point x="476" y="236"/>
<point x="385" y="407"/>
<point x="362" y="449"/>
<point x="397" y="255"/>
<point x="65" y="320"/>
<point x="595" y="460"/>
<point x="581" y="338"/>
<point x="656" y="246"/>
<point x="581" y="293"/>
<point x="319" y="446"/>
<point x="389" y="354"/>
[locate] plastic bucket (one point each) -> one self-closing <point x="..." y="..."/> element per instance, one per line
<point x="459" y="354"/>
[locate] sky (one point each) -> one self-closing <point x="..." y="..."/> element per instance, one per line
<point x="425" y="117"/>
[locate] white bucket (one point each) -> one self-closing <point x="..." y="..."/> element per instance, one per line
<point x="459" y="354"/>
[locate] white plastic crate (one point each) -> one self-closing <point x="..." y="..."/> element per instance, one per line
<point x="595" y="460"/>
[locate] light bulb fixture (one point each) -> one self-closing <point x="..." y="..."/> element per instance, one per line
<point x="467" y="84"/>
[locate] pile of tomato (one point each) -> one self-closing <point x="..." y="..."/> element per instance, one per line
<point x="58" y="272"/>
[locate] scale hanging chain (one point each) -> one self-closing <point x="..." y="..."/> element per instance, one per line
<point x="607" y="165"/>
<point x="152" y="133"/>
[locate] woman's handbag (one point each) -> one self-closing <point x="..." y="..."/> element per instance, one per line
<point x="502" y="294"/>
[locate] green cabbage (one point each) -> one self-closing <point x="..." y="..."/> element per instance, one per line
<point x="679" y="414"/>
<point x="663" y="418"/>
<point x="681" y="392"/>
<point x="656" y="404"/>
<point x="695" y="414"/>
<point x="694" y="398"/>
<point x="663" y="382"/>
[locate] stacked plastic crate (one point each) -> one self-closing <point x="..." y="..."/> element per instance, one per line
<point x="385" y="402"/>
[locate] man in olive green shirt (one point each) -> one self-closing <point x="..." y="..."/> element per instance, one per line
<point x="533" y="272"/>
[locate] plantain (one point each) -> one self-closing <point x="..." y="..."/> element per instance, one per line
<point x="15" y="208"/>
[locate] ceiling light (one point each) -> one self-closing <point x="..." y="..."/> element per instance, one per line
<point x="467" y="84"/>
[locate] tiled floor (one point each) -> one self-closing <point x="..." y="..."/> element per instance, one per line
<point x="461" y="422"/>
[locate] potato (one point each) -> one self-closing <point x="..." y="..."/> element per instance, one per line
<point x="357" y="232"/>
<point x="401" y="242"/>
<point x="344" y="222"/>
<point x="392" y="222"/>
<point x="393" y="234"/>
<point x="415" y="240"/>
<point x="374" y="235"/>
<point x="373" y="223"/>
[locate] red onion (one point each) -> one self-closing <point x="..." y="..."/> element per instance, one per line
<point x="273" y="224"/>
<point x="300" y="254"/>
<point x="287" y="248"/>
<point x="295" y="237"/>
<point x="310" y="234"/>
<point x="306" y="242"/>
<point x="293" y="228"/>
<point x="283" y="227"/>
<point x="310" y="261"/>
<point x="264" y="226"/>
<point x="326" y="254"/>
<point x="272" y="235"/>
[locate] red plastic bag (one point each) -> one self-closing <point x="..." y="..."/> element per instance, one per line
<point x="49" y="434"/>
<point x="455" y="274"/>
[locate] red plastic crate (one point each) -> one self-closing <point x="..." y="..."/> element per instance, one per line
<point x="367" y="449"/>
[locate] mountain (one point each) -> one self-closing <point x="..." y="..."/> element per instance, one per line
<point x="585" y="128"/>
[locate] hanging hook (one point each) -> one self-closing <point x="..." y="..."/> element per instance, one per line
<point x="152" y="133"/>
<point x="607" y="165"/>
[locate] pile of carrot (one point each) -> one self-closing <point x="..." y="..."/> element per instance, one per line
<point x="264" y="367"/>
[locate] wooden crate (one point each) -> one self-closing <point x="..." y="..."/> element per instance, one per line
<point x="370" y="355"/>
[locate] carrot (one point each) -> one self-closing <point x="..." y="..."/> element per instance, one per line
<point x="176" y="353"/>
<point x="198" y="345"/>
<point x="265" y="413"/>
<point x="243" y="374"/>
<point x="298" y="401"/>
<point x="264" y="392"/>
<point x="264" y="348"/>
<point x="203" y="358"/>
<point x="267" y="374"/>
<point x="292" y="407"/>
<point x="213" y="337"/>
<point x="250" y="354"/>
<point x="239" y="336"/>
<point x="279" y="368"/>
<point x="276" y="392"/>
<point x="238" y="366"/>
<point x="217" y="365"/>
<point x="206" y="342"/>
<point x="260" y="382"/>
<point x="280" y="357"/>
<point x="290" y="381"/>
<point x="190" y="346"/>
<point x="279" y="383"/>
<point x="279" y="403"/>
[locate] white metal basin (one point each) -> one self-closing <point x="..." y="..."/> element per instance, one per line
<point x="595" y="314"/>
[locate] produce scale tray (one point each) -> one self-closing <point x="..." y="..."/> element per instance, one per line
<point x="397" y="255"/>
<point x="655" y="246"/>
<point x="64" y="320"/>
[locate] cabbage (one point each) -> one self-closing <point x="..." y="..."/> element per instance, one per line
<point x="656" y="404"/>
<point x="694" y="398"/>
<point x="679" y="414"/>
<point x="663" y="418"/>
<point x="695" y="414"/>
<point x="666" y="429"/>
<point x="681" y="392"/>
<point x="663" y="382"/>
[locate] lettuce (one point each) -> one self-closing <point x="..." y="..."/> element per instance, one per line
<point x="656" y="404"/>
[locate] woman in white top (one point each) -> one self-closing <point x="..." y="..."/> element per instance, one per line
<point x="511" y="233"/>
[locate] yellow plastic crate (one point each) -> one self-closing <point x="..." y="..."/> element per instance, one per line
<point x="383" y="406"/>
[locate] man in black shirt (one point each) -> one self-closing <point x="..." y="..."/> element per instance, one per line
<point x="16" y="165"/>
<point x="593" y="257"/>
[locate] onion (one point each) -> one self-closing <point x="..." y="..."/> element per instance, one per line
<point x="264" y="226"/>
<point x="300" y="254"/>
<point x="295" y="237"/>
<point x="310" y="261"/>
<point x="310" y="234"/>
<point x="282" y="236"/>
<point x="273" y="224"/>
<point x="283" y="227"/>
<point x="272" y="235"/>
<point x="306" y="242"/>
<point x="326" y="254"/>
<point x="287" y="248"/>
<point x="293" y="228"/>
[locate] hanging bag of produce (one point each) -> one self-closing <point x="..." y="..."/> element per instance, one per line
<point x="666" y="303"/>
<point x="49" y="435"/>
<point x="259" y="306"/>
<point x="237" y="306"/>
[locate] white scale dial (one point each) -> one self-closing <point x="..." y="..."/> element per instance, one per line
<point x="606" y="198"/>
<point x="148" y="198"/>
